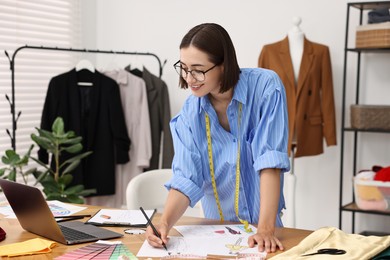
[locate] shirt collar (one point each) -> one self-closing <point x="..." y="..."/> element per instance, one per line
<point x="239" y="94"/>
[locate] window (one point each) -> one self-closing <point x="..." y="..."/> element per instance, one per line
<point x="40" y="22"/>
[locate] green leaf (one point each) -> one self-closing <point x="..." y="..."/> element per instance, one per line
<point x="46" y="134"/>
<point x="75" y="158"/>
<point x="65" y="179"/>
<point x="43" y="142"/>
<point x="54" y="196"/>
<point x="5" y="160"/>
<point x="75" y="199"/>
<point x="11" y="158"/>
<point x="74" y="189"/>
<point x="71" y="167"/>
<point x="12" y="175"/>
<point x="74" y="140"/>
<point x="74" y="148"/>
<point x="2" y="171"/>
<point x="58" y="126"/>
<point x="87" y="192"/>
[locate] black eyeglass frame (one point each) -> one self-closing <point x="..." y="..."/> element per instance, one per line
<point x="178" y="65"/>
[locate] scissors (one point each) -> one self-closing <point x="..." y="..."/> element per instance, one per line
<point x="328" y="251"/>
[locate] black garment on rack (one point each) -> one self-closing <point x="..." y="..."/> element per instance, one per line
<point x="96" y="114"/>
<point x="160" y="116"/>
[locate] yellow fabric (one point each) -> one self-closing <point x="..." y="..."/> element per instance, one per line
<point x="29" y="247"/>
<point x="357" y="246"/>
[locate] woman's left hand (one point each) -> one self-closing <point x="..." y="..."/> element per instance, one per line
<point x="266" y="241"/>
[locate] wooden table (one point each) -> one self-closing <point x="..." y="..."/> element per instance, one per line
<point x="15" y="233"/>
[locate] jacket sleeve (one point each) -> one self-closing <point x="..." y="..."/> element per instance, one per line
<point x="167" y="154"/>
<point x="328" y="106"/>
<point x="118" y="126"/>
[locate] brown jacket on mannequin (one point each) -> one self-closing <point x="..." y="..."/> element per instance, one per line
<point x="311" y="109"/>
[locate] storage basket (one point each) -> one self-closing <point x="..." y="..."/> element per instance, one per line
<point x="373" y="117"/>
<point x="372" y="195"/>
<point x="373" y="35"/>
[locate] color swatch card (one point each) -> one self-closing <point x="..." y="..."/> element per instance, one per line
<point x="100" y="250"/>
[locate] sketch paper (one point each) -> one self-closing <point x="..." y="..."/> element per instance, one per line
<point x="58" y="208"/>
<point x="202" y="246"/>
<point x="121" y="217"/>
<point x="214" y="230"/>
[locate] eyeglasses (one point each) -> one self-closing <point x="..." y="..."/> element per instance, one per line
<point x="198" y="75"/>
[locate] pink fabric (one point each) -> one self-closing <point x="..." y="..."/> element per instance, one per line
<point x="372" y="204"/>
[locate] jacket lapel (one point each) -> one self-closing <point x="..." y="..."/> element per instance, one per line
<point x="95" y="94"/>
<point x="74" y="104"/>
<point x="307" y="59"/>
<point x="286" y="63"/>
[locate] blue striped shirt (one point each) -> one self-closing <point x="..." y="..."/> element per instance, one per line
<point x="263" y="140"/>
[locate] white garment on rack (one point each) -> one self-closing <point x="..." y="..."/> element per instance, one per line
<point x="136" y="111"/>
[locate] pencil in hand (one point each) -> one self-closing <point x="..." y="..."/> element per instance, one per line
<point x="153" y="227"/>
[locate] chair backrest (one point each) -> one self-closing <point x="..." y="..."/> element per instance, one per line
<point x="147" y="190"/>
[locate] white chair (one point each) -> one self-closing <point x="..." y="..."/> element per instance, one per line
<point x="147" y="190"/>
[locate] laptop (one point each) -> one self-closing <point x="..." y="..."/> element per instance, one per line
<point x="35" y="216"/>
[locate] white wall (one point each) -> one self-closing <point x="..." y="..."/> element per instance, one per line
<point x="157" y="26"/>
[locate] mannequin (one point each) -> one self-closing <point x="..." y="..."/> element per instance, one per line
<point x="295" y="42"/>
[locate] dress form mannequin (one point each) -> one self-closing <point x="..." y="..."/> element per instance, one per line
<point x="295" y="41"/>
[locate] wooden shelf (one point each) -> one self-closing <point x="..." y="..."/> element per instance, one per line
<point x="354" y="208"/>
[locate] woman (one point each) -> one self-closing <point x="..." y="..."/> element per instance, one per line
<point x="232" y="129"/>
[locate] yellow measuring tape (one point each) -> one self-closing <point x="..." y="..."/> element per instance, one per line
<point x="210" y="154"/>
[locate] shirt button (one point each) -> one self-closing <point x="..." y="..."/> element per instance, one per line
<point x="234" y="140"/>
<point x="245" y="208"/>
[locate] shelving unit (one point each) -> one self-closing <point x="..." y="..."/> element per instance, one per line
<point x="361" y="8"/>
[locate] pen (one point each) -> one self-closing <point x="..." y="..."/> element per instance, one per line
<point x="152" y="226"/>
<point x="69" y="218"/>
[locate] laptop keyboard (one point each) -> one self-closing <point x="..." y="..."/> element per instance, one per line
<point x="75" y="235"/>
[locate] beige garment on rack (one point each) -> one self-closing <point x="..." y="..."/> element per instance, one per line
<point x="357" y="246"/>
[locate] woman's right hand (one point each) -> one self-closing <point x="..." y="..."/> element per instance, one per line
<point x="154" y="240"/>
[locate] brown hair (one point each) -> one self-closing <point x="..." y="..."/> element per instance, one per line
<point x="214" y="40"/>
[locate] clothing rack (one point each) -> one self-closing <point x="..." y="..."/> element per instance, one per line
<point x="12" y="68"/>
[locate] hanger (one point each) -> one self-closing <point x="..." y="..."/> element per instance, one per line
<point x="84" y="68"/>
<point x="85" y="64"/>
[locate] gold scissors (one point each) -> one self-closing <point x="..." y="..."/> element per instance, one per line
<point x="328" y="251"/>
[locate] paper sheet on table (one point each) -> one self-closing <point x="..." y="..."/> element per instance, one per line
<point x="29" y="247"/>
<point x="201" y="247"/>
<point x="214" y="230"/>
<point x="58" y="208"/>
<point x="121" y="217"/>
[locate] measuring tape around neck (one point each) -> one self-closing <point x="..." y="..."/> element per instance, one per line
<point x="213" y="182"/>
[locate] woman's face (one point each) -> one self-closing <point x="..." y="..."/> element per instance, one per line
<point x="191" y="59"/>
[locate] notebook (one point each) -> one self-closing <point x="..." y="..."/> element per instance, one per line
<point x="35" y="216"/>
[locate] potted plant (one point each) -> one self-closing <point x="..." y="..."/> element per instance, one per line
<point x="57" y="176"/>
